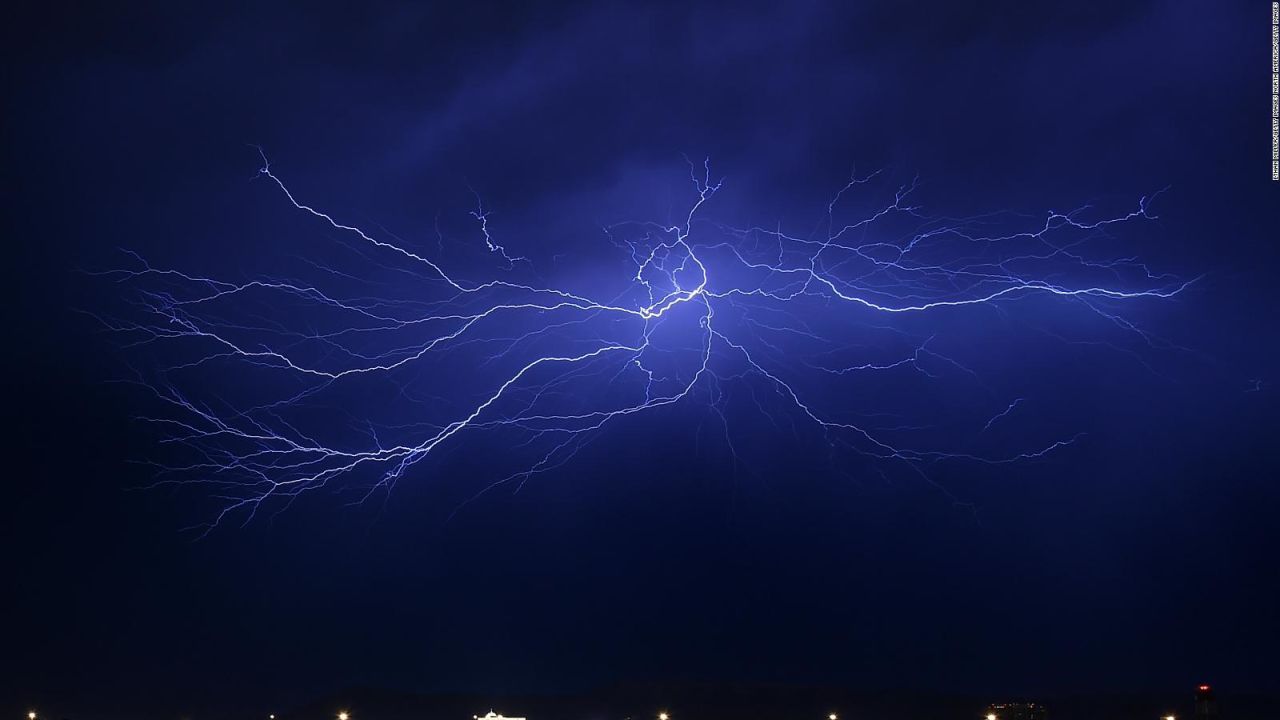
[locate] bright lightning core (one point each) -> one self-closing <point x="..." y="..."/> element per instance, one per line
<point x="352" y="378"/>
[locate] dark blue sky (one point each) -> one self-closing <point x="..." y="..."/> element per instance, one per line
<point x="1143" y="557"/>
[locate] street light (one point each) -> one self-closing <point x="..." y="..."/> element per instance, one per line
<point x="343" y="715"/>
<point x="991" y="716"/>
<point x="663" y="716"/>
<point x="1168" y="717"/>
<point x="833" y="716"/>
<point x="31" y="715"/>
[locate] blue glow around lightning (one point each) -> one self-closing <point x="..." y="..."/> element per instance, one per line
<point x="542" y="368"/>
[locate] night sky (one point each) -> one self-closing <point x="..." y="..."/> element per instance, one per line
<point x="1142" y="556"/>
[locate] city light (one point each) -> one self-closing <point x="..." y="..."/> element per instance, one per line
<point x="832" y="716"/>
<point x="1169" y="717"/>
<point x="343" y="715"/>
<point x="31" y="715"/>
<point x="991" y="716"/>
<point x="663" y="716"/>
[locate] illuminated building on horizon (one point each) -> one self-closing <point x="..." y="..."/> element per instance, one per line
<point x="1015" y="711"/>
<point x="1206" y="703"/>
<point x="491" y="715"/>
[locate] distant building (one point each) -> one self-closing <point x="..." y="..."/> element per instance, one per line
<point x="494" y="716"/>
<point x="1016" y="711"/>
<point x="1206" y="704"/>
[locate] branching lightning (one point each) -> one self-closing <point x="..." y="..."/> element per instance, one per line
<point x="273" y="384"/>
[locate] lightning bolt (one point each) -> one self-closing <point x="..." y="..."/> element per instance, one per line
<point x="266" y="383"/>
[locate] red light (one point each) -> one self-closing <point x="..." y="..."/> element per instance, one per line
<point x="1203" y="688"/>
